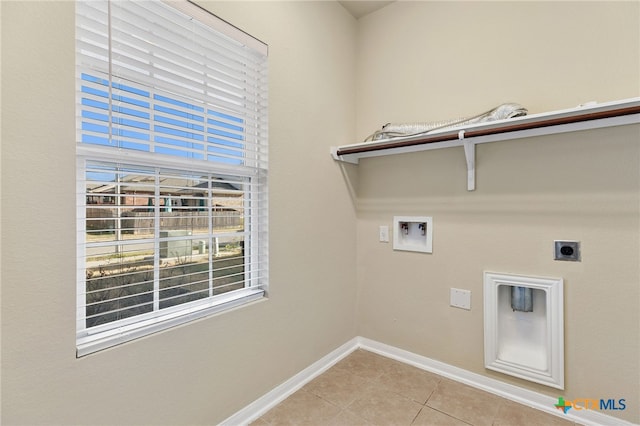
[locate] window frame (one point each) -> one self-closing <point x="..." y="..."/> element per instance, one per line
<point x="255" y="169"/>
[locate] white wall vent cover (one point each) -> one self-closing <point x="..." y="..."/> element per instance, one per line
<point x="528" y="345"/>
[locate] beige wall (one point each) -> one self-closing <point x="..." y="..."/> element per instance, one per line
<point x="414" y="61"/>
<point x="421" y="61"/>
<point x="430" y="60"/>
<point x="202" y="372"/>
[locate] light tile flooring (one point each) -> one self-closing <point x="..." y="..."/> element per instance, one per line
<point x="368" y="389"/>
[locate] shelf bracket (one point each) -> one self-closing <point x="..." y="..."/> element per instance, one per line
<point x="470" y="155"/>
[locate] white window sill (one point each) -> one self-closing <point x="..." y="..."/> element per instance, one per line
<point x="87" y="343"/>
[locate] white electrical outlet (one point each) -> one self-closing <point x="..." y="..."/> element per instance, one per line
<point x="460" y="298"/>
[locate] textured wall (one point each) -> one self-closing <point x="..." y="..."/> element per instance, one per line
<point x="204" y="371"/>
<point x="431" y="60"/>
<point x="439" y="60"/>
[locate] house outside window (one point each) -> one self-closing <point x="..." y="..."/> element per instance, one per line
<point x="172" y="168"/>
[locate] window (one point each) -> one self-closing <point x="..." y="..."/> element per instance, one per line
<point x="172" y="168"/>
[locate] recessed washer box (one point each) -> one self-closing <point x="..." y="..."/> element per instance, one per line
<point x="413" y="233"/>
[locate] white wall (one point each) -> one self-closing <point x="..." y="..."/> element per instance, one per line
<point x="204" y="371"/>
<point x="426" y="61"/>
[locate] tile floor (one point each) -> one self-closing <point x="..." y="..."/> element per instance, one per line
<point x="368" y="389"/>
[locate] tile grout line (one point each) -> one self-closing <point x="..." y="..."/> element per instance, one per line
<point x="380" y="382"/>
<point x="426" y="403"/>
<point x="416" y="416"/>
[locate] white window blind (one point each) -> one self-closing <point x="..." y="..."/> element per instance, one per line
<point x="172" y="168"/>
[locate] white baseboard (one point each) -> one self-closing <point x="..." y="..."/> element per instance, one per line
<point x="281" y="392"/>
<point x="514" y="393"/>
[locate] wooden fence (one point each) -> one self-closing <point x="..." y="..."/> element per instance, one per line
<point x="141" y="222"/>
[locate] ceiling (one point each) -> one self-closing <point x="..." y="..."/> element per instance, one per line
<point x="359" y="8"/>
